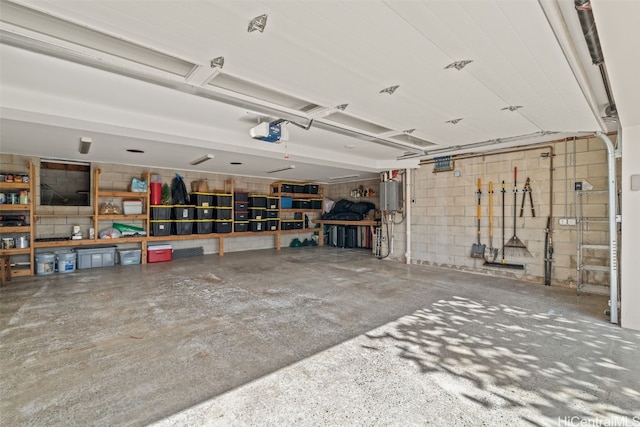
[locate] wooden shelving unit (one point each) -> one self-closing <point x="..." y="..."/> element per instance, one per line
<point x="17" y="266"/>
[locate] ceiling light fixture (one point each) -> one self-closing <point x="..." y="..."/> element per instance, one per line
<point x="85" y="145"/>
<point x="258" y="23"/>
<point x="342" y="107"/>
<point x="454" y="121"/>
<point x="135" y="151"/>
<point x="342" y="178"/>
<point x="409" y="131"/>
<point x="286" y="168"/>
<point x="390" y="90"/>
<point x="235" y="163"/>
<point x="202" y="159"/>
<point x="511" y="108"/>
<point x="459" y="65"/>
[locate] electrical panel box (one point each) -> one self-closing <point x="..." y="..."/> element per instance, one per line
<point x="391" y="196"/>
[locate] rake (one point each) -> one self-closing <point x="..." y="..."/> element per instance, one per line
<point x="515" y="245"/>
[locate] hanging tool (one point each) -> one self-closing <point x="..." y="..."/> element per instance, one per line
<point x="525" y="190"/>
<point x="477" y="249"/>
<point x="490" y="253"/>
<point x="548" y="253"/>
<point x="515" y="244"/>
<point x="503" y="262"/>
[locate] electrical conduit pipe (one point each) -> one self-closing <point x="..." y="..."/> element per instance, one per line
<point x="407" y="177"/>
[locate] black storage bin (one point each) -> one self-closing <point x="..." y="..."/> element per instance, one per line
<point x="272" y="202"/>
<point x="290" y="225"/>
<point x="272" y="224"/>
<point x="203" y="212"/>
<point x="283" y="188"/>
<point x="256" y="213"/>
<point x="161" y="212"/>
<point x="182" y="227"/>
<point x="241" y="216"/>
<point x="241" y="196"/>
<point x="241" y="226"/>
<point x="222" y="213"/>
<point x="257" y="225"/>
<point x="160" y="228"/>
<point x="183" y="212"/>
<point x="201" y="199"/>
<point x="241" y="206"/>
<point x="297" y="188"/>
<point x="271" y="213"/>
<point x="258" y="201"/>
<point x="298" y="225"/>
<point x="301" y="204"/>
<point x="222" y="199"/>
<point x="311" y="189"/>
<point x="316" y="203"/>
<point x="222" y="226"/>
<point x="203" y="227"/>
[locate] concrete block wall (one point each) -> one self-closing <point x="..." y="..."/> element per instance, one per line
<point x="444" y="221"/>
<point x="343" y="190"/>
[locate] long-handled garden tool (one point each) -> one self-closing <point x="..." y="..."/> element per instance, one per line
<point x="503" y="262"/>
<point x="514" y="244"/>
<point x="525" y="190"/>
<point x="490" y="253"/>
<point x="477" y="249"/>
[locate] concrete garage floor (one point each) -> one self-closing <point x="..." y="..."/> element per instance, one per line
<point x="308" y="336"/>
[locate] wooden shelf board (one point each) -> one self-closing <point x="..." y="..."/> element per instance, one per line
<point x="293" y="210"/>
<point x="21" y="272"/>
<point x="16" y="185"/>
<point x="300" y="230"/>
<point x="24" y="251"/>
<point x="21" y="229"/>
<point x="114" y="193"/>
<point x="119" y="217"/>
<point x="5" y="207"/>
<point x="63" y="215"/>
<point x="364" y="222"/>
<point x="299" y="195"/>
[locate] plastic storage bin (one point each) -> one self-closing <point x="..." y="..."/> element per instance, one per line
<point x="96" y="256"/>
<point x="241" y="196"/>
<point x="222" y="226"/>
<point x="182" y="227"/>
<point x="272" y="224"/>
<point x="241" y="216"/>
<point x="204" y="212"/>
<point x="159" y="253"/>
<point x="160" y="228"/>
<point x="161" y="212"/>
<point x="316" y="203"/>
<point x="286" y="202"/>
<point x="271" y="213"/>
<point x="201" y="199"/>
<point x="222" y="199"/>
<point x="257" y="225"/>
<point x="256" y="213"/>
<point x="222" y="213"/>
<point x="132" y="207"/>
<point x="272" y="202"/>
<point x="129" y="256"/>
<point x="258" y="201"/>
<point x="241" y="206"/>
<point x="240" y="227"/>
<point x="183" y="213"/>
<point x="311" y="188"/>
<point x="203" y="226"/>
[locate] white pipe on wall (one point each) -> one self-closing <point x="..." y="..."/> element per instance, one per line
<point x="613" y="233"/>
<point x="408" y="192"/>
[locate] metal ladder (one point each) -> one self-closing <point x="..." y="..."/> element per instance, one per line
<point x="589" y="246"/>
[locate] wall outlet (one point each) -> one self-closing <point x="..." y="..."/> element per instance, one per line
<point x="563" y="221"/>
<point x="571" y="221"/>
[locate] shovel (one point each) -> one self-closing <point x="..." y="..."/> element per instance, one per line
<point x="477" y="249"/>
<point x="490" y="253"/>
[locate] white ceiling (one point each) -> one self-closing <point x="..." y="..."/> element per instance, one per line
<point x="58" y="87"/>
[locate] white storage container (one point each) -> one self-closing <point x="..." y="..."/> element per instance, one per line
<point x="132" y="207"/>
<point x="129" y="256"/>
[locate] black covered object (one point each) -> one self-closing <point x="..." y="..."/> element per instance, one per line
<point x="179" y="193"/>
<point x="342" y="216"/>
<point x="362" y="207"/>
<point x="343" y="205"/>
<point x="351" y="239"/>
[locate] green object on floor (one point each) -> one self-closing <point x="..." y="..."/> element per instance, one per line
<point x="295" y="243"/>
